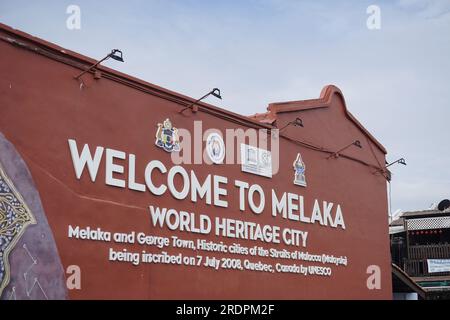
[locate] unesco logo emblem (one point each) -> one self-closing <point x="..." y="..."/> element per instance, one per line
<point x="215" y="147"/>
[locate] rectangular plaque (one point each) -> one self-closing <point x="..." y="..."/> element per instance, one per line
<point x="257" y="161"/>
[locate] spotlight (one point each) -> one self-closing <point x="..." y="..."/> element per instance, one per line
<point x="295" y="123"/>
<point x="115" y="54"/>
<point x="355" y="143"/>
<point x="385" y="171"/>
<point x="400" y="161"/>
<point x="214" y="92"/>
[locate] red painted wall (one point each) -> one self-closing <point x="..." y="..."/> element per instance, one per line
<point x="42" y="106"/>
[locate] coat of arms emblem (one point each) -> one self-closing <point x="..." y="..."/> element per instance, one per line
<point x="167" y="137"/>
<point x="299" y="168"/>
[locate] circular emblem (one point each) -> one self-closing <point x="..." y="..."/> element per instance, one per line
<point x="215" y="147"/>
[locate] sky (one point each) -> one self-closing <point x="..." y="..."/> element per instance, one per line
<point x="395" y="79"/>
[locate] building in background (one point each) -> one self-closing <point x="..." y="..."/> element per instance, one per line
<point x="420" y="248"/>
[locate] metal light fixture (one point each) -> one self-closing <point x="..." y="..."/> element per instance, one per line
<point x="355" y="143"/>
<point x="296" y="123"/>
<point x="214" y="92"/>
<point x="115" y="54"/>
<point x="386" y="171"/>
<point x="400" y="161"/>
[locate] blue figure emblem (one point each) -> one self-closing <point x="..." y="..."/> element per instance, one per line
<point x="300" y="169"/>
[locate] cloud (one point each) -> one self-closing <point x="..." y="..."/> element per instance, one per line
<point x="395" y="80"/>
<point x="426" y="8"/>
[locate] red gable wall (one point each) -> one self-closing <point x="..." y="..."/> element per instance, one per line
<point x="42" y="106"/>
